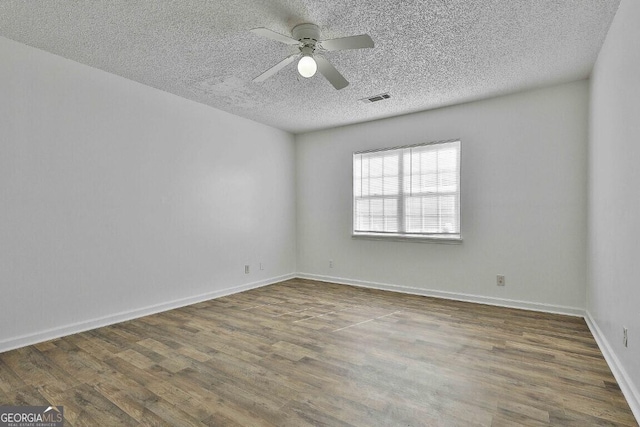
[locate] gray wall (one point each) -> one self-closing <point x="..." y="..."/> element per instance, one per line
<point x="614" y="197"/>
<point x="118" y="199"/>
<point x="523" y="202"/>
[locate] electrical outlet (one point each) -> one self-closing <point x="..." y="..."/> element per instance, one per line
<point x="246" y="269"/>
<point x="330" y="264"/>
<point x="261" y="266"/>
<point x="625" y="337"/>
<point x="500" y="280"/>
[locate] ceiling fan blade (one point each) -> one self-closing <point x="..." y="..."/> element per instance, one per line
<point x="354" y="42"/>
<point x="265" y="32"/>
<point x="330" y="73"/>
<point x="273" y="70"/>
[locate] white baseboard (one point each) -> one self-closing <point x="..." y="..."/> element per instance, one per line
<point x="61" y="331"/>
<point x="502" y="302"/>
<point x="629" y="389"/>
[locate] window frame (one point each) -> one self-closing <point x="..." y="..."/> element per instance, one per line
<point x="413" y="237"/>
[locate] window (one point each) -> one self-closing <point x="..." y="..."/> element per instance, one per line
<point x="408" y="192"/>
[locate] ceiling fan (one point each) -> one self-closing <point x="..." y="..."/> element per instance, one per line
<point x="307" y="38"/>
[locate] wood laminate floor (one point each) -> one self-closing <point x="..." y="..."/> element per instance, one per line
<point x="304" y="353"/>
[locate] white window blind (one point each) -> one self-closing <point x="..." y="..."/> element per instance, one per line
<point x="408" y="191"/>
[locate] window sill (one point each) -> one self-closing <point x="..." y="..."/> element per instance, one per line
<point x="408" y="238"/>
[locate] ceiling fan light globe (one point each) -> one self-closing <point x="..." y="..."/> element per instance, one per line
<point x="307" y="66"/>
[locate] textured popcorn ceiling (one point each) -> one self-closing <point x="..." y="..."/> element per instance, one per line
<point x="428" y="53"/>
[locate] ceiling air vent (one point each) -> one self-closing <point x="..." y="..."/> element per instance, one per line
<point x="375" y="98"/>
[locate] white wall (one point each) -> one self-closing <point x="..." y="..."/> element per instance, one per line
<point x="613" y="297"/>
<point x="115" y="197"/>
<point x="523" y="201"/>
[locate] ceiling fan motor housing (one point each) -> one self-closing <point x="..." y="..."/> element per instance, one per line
<point x="307" y="34"/>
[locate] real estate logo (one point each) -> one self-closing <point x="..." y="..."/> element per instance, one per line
<point x="31" y="416"/>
